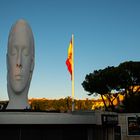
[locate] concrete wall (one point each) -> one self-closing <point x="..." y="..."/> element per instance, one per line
<point x="47" y="118"/>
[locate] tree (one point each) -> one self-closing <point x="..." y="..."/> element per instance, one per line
<point x="101" y="82"/>
<point x="130" y="74"/>
<point x="123" y="78"/>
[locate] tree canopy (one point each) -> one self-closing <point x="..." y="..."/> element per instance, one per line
<point x="123" y="78"/>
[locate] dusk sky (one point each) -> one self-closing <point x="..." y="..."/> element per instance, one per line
<point x="106" y="33"/>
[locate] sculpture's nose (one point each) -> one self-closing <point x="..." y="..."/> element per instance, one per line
<point x="19" y="60"/>
<point x="19" y="66"/>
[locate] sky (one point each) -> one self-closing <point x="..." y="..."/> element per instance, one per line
<point x="106" y="33"/>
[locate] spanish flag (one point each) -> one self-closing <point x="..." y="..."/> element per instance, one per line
<point x="69" y="58"/>
<point x="70" y="65"/>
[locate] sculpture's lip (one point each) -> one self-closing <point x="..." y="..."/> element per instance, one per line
<point x="19" y="77"/>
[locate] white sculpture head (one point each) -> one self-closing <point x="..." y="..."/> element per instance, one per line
<point x="20" y="62"/>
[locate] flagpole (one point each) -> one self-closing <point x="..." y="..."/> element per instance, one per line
<point x="72" y="72"/>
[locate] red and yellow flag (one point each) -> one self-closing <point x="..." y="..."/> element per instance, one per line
<point x="70" y="66"/>
<point x="69" y="58"/>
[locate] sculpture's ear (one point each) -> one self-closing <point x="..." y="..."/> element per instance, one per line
<point x="32" y="65"/>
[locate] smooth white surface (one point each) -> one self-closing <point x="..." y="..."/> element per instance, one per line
<point x="20" y="64"/>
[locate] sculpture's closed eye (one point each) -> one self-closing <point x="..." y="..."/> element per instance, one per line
<point x="25" y="51"/>
<point x="13" y="51"/>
